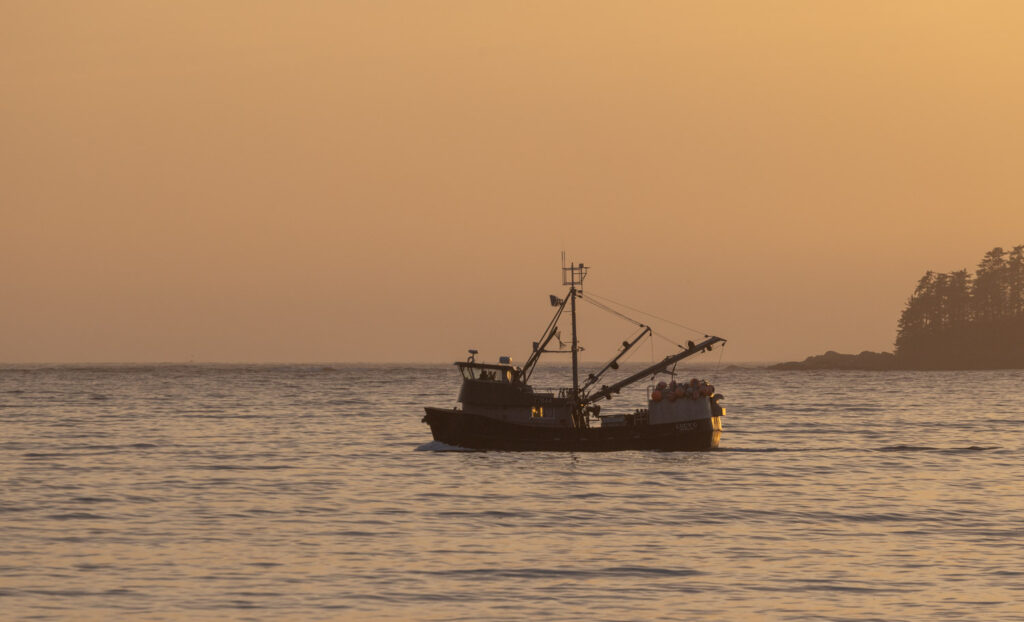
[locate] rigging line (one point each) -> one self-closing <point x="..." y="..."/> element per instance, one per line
<point x="625" y="356"/>
<point x="605" y="307"/>
<point x="621" y="304"/>
<point x="553" y="324"/>
<point x="617" y="355"/>
<point x="608" y="309"/>
<point x="664" y="337"/>
<point x="632" y="351"/>
<point x="652" y="347"/>
<point x="672" y="341"/>
<point x="629" y="355"/>
<point x="718" y="365"/>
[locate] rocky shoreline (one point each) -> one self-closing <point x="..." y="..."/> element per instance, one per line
<point x="865" y="361"/>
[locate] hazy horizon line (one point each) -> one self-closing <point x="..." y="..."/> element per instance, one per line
<point x="193" y="362"/>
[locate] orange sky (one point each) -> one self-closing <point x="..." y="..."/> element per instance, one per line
<point x="394" y="181"/>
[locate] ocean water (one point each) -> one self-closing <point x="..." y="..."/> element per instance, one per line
<point x="315" y="493"/>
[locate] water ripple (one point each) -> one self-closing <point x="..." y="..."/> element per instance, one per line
<point x="248" y="492"/>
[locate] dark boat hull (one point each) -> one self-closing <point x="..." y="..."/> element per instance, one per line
<point x="464" y="429"/>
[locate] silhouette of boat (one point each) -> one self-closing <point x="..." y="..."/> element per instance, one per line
<point x="502" y="411"/>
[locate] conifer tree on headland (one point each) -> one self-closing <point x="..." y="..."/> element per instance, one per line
<point x="1015" y="281"/>
<point x="960" y="321"/>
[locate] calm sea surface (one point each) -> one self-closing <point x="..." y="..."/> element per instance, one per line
<point x="313" y="492"/>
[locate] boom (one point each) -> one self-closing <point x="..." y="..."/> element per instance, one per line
<point x="549" y="334"/>
<point x="614" y="363"/>
<point x="607" y="391"/>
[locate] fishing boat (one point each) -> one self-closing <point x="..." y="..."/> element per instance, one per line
<point x="501" y="410"/>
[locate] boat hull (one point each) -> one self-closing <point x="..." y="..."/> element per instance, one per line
<point x="472" y="431"/>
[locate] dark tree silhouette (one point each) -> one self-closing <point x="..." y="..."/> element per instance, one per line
<point x="1015" y="281"/>
<point x="960" y="321"/>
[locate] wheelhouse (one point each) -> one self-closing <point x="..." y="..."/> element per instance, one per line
<point x="489" y="372"/>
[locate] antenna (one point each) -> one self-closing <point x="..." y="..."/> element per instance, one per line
<point x="573" y="274"/>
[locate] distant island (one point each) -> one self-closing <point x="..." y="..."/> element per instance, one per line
<point x="834" y="360"/>
<point x="952" y="321"/>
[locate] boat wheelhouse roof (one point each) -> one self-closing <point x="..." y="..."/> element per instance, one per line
<point x="500" y="366"/>
<point x="500" y="372"/>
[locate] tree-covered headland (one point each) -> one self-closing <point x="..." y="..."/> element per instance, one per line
<point x="956" y="320"/>
<point x="966" y="321"/>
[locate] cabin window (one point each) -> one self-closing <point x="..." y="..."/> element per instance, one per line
<point x="492" y="375"/>
<point x="537" y="411"/>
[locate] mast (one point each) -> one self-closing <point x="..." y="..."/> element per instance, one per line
<point x="575" y="349"/>
<point x="572" y="276"/>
